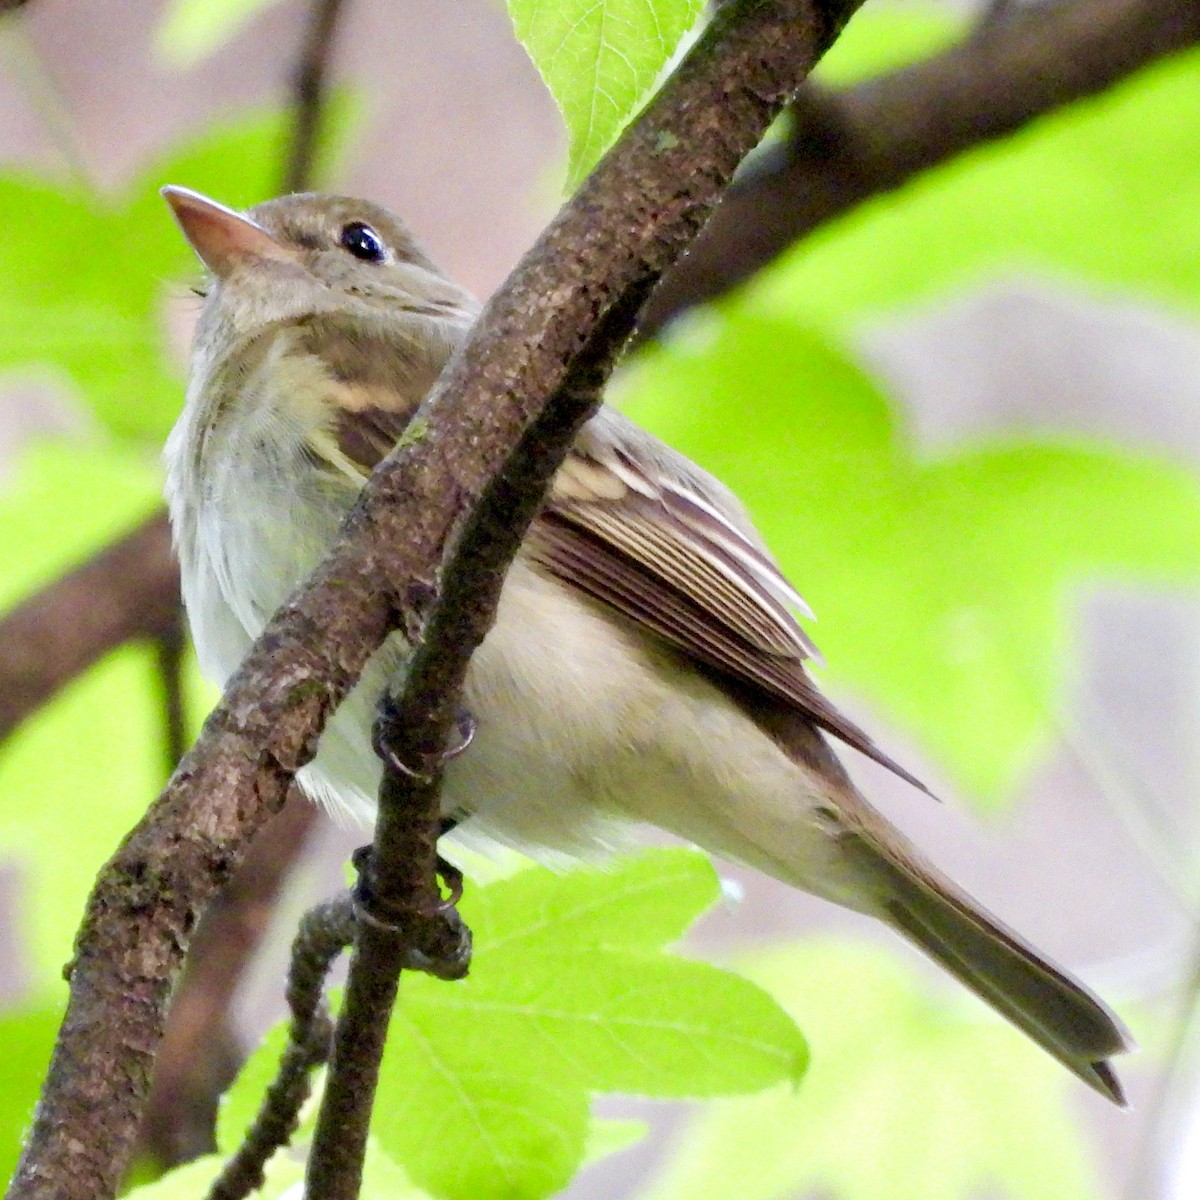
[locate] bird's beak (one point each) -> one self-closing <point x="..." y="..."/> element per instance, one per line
<point x="222" y="238"/>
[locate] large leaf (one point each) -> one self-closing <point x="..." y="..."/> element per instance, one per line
<point x="486" y="1083"/>
<point x="943" y="587"/>
<point x="599" y="59"/>
<point x="911" y="1096"/>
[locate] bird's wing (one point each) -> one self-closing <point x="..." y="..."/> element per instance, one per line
<point x="660" y="541"/>
<point x="664" y="544"/>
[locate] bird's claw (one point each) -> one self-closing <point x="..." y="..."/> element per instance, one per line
<point x="465" y="726"/>
<point x="439" y="941"/>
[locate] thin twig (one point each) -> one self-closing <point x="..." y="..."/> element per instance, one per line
<point x="677" y="158"/>
<point x="310" y="85"/>
<point x="324" y="933"/>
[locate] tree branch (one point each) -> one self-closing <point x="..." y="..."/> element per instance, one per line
<point x="402" y="879"/>
<point x="130" y="590"/>
<point x="324" y="933"/>
<point x="900" y="124"/>
<point x="309" y="89"/>
<point x="200" y="1053"/>
<point x="673" y="163"/>
<point x="846" y="147"/>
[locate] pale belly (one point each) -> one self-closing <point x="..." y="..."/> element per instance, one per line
<point x="584" y="726"/>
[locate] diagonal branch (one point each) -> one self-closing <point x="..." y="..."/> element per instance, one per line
<point x="675" y="160"/>
<point x="129" y="590"/>
<point x="847" y="146"/>
<point x="1008" y="74"/>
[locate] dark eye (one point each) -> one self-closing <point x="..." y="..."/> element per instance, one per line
<point x="363" y="242"/>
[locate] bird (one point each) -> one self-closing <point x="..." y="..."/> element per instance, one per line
<point x="647" y="664"/>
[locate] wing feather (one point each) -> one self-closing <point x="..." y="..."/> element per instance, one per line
<point x="650" y="535"/>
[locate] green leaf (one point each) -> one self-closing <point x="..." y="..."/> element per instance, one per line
<point x="608" y="1136"/>
<point x="652" y="901"/>
<point x="240" y="1104"/>
<point x="191" y="30"/>
<point x="27" y="1034"/>
<point x="911" y="1095"/>
<point x="80" y="771"/>
<point x="599" y="59"/>
<point x="486" y="1083"/>
<point x="82" y="288"/>
<point x="878" y="40"/>
<point x="383" y="1176"/>
<point x="944" y="588"/>
<point x="1078" y="193"/>
<point x="284" y="1177"/>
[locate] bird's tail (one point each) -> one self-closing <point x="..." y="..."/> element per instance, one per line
<point x="1038" y="997"/>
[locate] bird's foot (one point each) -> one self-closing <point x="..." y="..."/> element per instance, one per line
<point x="381" y="743"/>
<point x="438" y="942"/>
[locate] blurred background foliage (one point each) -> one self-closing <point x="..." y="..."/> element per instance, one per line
<point x="949" y="580"/>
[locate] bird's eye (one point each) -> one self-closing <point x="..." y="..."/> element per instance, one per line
<point x="363" y="242"/>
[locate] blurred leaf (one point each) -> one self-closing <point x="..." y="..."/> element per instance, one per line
<point x="877" y="40"/>
<point x="80" y="771"/>
<point x="81" y="289"/>
<point x="284" y="1177"/>
<point x="1079" y="191"/>
<point x="27" y="1035"/>
<point x="909" y="1097"/>
<point x="486" y="1083"/>
<point x="943" y="587"/>
<point x="190" y="30"/>
<point x="608" y="1136"/>
<point x="599" y="59"/>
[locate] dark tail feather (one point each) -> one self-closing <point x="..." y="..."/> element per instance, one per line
<point x="1038" y="997"/>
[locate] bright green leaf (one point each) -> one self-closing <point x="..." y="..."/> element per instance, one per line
<point x="192" y="29"/>
<point x="884" y="39"/>
<point x="943" y="587"/>
<point x="651" y="902"/>
<point x="599" y="59"/>
<point x="911" y="1096"/>
<point x="193" y="1180"/>
<point x="486" y="1083"/>
<point x="608" y="1136"/>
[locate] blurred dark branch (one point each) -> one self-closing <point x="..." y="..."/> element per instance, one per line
<point x="169" y="649"/>
<point x="848" y="146"/>
<point x="511" y="390"/>
<point x="309" y="88"/>
<point x="128" y="591"/>
<point x="200" y="1052"/>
